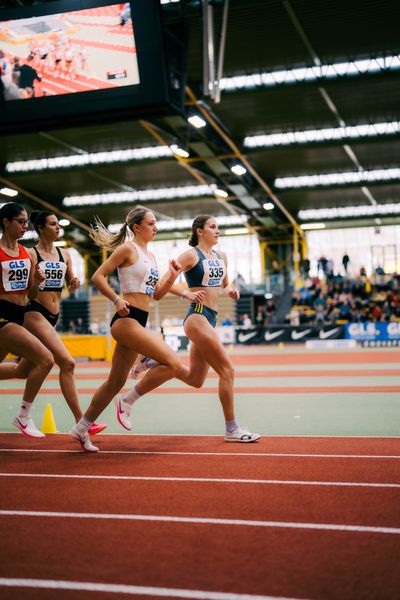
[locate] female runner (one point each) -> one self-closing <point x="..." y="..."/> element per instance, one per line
<point x="139" y="282"/>
<point x="42" y="310"/>
<point x="16" y="278"/>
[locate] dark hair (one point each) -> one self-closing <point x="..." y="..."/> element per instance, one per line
<point x="198" y="223"/>
<point x="10" y="211"/>
<point x="110" y="241"/>
<point x="38" y="218"/>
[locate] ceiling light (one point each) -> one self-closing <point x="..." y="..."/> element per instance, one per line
<point x="30" y="235"/>
<point x="93" y="158"/>
<point x="310" y="226"/>
<point x="186" y="191"/>
<point x="197" y="121"/>
<point x="8" y="192"/>
<point x="238" y="170"/>
<point x="329" y="179"/>
<point x="268" y="206"/>
<point x="236" y="231"/>
<point x="344" y="212"/>
<point x="64" y="222"/>
<point x="316" y="72"/>
<point x="182" y="224"/>
<point x="220" y="193"/>
<point x="322" y="135"/>
<point x="249" y="202"/>
<point x="179" y="151"/>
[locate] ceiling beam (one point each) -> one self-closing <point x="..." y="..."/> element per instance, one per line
<point x="51" y="207"/>
<point x="235" y="149"/>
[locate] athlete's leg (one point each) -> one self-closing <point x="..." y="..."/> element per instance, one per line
<point x="13" y="370"/>
<point x="131" y="339"/>
<point x="194" y="376"/>
<point x="37" y="324"/>
<point x="204" y="337"/>
<point x="207" y="341"/>
<point x="21" y="342"/>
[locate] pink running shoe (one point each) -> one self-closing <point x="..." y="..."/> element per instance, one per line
<point x="96" y="428"/>
<point x="123" y="412"/>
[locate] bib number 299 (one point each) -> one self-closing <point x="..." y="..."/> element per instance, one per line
<point x="18" y="275"/>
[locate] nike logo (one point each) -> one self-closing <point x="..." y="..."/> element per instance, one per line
<point x="274" y="334"/>
<point x="325" y="334"/>
<point x="121" y="412"/>
<point x="297" y="335"/>
<point x="243" y="337"/>
<point x="23" y="426"/>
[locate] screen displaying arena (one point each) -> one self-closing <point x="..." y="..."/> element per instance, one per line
<point x="66" y="53"/>
<point x="61" y="63"/>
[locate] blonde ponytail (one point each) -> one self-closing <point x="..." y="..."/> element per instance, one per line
<point x="106" y="240"/>
<point x="110" y="241"/>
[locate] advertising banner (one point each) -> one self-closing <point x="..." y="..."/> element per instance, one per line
<point x="287" y="334"/>
<point x="372" y="332"/>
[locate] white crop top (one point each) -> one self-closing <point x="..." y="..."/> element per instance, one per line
<point x="142" y="276"/>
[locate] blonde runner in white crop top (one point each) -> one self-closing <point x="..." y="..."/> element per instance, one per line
<point x="140" y="277"/>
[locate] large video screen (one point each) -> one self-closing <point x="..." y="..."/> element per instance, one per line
<point x="65" y="53"/>
<point x="100" y="59"/>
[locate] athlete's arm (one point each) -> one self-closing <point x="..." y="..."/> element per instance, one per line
<point x="72" y="281"/>
<point x="35" y="279"/>
<point x="167" y="280"/>
<point x="226" y="287"/>
<point x="187" y="294"/>
<point x="187" y="260"/>
<point x="99" y="279"/>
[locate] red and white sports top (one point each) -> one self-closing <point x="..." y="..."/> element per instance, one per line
<point x="14" y="271"/>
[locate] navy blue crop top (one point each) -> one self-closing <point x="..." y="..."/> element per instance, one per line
<point x="207" y="272"/>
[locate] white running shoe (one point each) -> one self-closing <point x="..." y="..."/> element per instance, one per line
<point x="83" y="439"/>
<point x="123" y="411"/>
<point x="241" y="435"/>
<point x="143" y="364"/>
<point x="27" y="427"/>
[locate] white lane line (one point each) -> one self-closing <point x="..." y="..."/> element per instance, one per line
<point x="203" y="480"/>
<point x="232" y="454"/>
<point x="203" y="521"/>
<point x="265" y="436"/>
<point x="133" y="590"/>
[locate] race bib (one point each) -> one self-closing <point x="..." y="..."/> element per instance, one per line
<point x="54" y="271"/>
<point x="214" y="272"/>
<point x="149" y="281"/>
<point x="15" y="274"/>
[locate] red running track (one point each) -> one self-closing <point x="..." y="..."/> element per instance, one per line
<point x="284" y="539"/>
